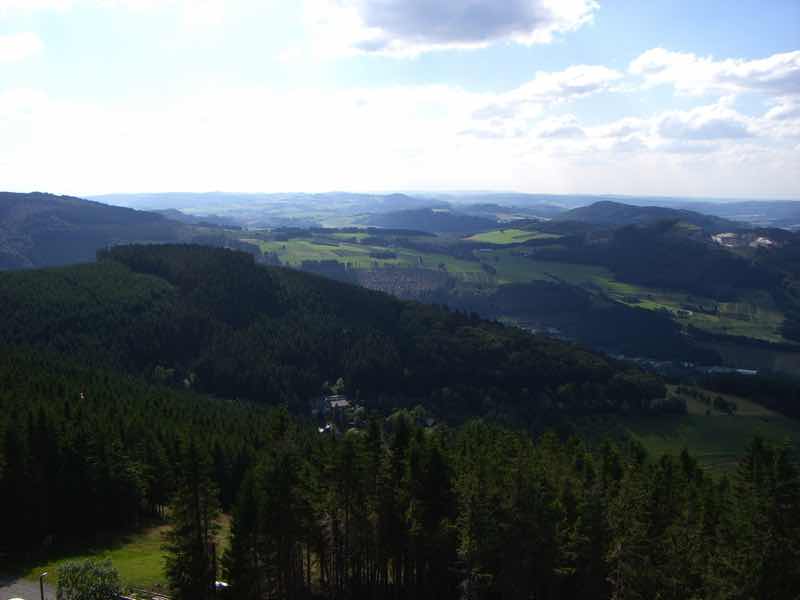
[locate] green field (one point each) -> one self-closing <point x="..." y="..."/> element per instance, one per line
<point x="753" y="314"/>
<point x="136" y="555"/>
<point x="360" y="235"/>
<point x="717" y="440"/>
<point x="357" y="256"/>
<point x="514" y="268"/>
<point x="511" y="236"/>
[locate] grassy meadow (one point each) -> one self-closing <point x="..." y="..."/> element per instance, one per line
<point x="137" y="555"/>
<point x="716" y="439"/>
<point x="511" y="236"/>
<point x="357" y="256"/>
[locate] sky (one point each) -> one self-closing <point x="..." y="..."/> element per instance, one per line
<point x="656" y="97"/>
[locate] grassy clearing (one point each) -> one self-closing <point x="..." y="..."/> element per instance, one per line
<point x="350" y="236"/>
<point x="717" y="440"/>
<point x="752" y="315"/>
<point x="138" y="556"/>
<point x="357" y="256"/>
<point x="511" y="236"/>
<point x="512" y="267"/>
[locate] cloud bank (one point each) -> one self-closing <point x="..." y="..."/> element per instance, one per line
<point x="411" y="27"/>
<point x="778" y="74"/>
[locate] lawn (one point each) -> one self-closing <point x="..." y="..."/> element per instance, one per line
<point x="137" y="555"/>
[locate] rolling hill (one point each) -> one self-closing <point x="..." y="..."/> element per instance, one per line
<point x="616" y="214"/>
<point x="433" y="221"/>
<point x="236" y="329"/>
<point x="38" y="230"/>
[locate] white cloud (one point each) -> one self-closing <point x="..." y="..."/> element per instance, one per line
<point x="784" y="109"/>
<point x="621" y="128"/>
<point x="714" y="122"/>
<point x="573" y="82"/>
<point x="19" y="46"/>
<point x="564" y="128"/>
<point x="716" y="129"/>
<point x="778" y="74"/>
<point x="411" y="27"/>
<point x="514" y="108"/>
<point x="403" y="137"/>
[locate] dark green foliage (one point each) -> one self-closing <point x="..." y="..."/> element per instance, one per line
<point x="668" y="254"/>
<point x="759" y="528"/>
<point x="391" y="510"/>
<point x="780" y="393"/>
<point x="784" y="261"/>
<point x="236" y="329"/>
<point x="190" y="562"/>
<point x="591" y="318"/>
<point x="433" y="221"/>
<point x="88" y="580"/>
<point x="86" y="450"/>
<point x="616" y="214"/>
<point x="483" y="512"/>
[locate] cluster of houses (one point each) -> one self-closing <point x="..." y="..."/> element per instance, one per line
<point x="336" y="413"/>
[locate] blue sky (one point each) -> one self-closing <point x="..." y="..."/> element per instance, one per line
<point x="649" y="97"/>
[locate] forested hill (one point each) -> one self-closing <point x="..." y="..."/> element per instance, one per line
<point x="38" y="230"/>
<point x="432" y="221"/>
<point x="215" y="319"/>
<point x="395" y="510"/>
<point x="616" y="214"/>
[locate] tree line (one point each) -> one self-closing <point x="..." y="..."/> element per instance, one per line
<point x="403" y="511"/>
<point x="85" y="450"/>
<point x="397" y="509"/>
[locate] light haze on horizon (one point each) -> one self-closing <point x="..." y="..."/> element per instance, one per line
<point x="655" y="98"/>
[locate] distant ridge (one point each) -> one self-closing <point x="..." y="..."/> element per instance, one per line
<point x="616" y="214"/>
<point x="432" y="221"/>
<point x="39" y="230"/>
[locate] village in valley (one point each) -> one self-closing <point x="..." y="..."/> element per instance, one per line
<point x="335" y="413"/>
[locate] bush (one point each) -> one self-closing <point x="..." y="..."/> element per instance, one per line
<point x="88" y="580"/>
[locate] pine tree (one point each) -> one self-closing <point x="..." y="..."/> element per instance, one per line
<point x="758" y="551"/>
<point x="630" y="568"/>
<point x="243" y="563"/>
<point x="194" y="513"/>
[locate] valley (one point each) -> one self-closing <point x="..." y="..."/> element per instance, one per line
<point x="399" y="300"/>
<point x="574" y="348"/>
<point x="469" y="270"/>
